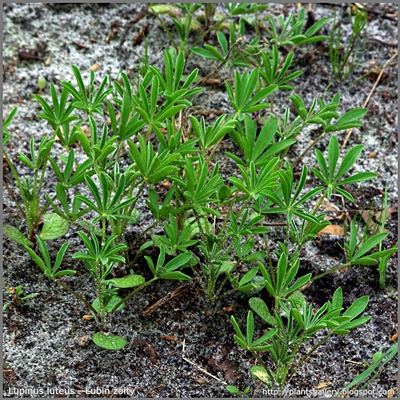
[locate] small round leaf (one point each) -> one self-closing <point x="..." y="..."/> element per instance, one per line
<point x="54" y="227"/>
<point x="261" y="374"/>
<point x="110" y="342"/>
<point x="110" y="305"/>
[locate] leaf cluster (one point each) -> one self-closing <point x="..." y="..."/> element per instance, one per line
<point x="130" y="139"/>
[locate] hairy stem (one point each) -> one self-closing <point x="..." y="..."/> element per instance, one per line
<point x="304" y="358"/>
<point x="78" y="296"/>
<point x="127" y="297"/>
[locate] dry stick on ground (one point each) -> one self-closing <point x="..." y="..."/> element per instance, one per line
<point x="134" y="20"/>
<point x="198" y="366"/>
<point x="392" y="17"/>
<point x="349" y="131"/>
<point x="168" y="297"/>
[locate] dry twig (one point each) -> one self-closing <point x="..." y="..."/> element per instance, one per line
<point x="168" y="297"/>
<point x="198" y="366"/>
<point x="349" y="131"/>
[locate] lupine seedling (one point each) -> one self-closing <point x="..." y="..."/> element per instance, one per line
<point x="18" y="297"/>
<point x="30" y="190"/>
<point x="344" y="63"/>
<point x="41" y="83"/>
<point x="283" y="341"/>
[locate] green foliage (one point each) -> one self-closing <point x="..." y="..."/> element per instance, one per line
<point x="358" y="249"/>
<point x="175" y="240"/>
<point x="168" y="271"/>
<point x="242" y="98"/>
<point x="380" y="360"/>
<point x="287" y="198"/>
<point x="6" y="123"/>
<point x="330" y="174"/>
<point x="211" y="135"/>
<point x="274" y="73"/>
<point x="18" y="296"/>
<point x="109" y="342"/>
<point x="44" y="262"/>
<point x="344" y="62"/>
<point x="235" y="390"/>
<point x="29" y="189"/>
<point x="16" y="235"/>
<point x="257" y="148"/>
<point x="383" y="260"/>
<point x="61" y="117"/>
<point x="87" y="100"/>
<point x="291" y="29"/>
<point x="209" y="222"/>
<point x="301" y="321"/>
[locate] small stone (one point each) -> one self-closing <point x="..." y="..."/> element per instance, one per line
<point x="84" y="341"/>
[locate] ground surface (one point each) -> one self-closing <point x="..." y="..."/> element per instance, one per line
<point x="44" y="341"/>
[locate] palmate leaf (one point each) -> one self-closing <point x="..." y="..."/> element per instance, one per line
<point x="357" y="307"/>
<point x="239" y="337"/>
<point x="6" y="123"/>
<point x="41" y="264"/>
<point x="178" y="262"/>
<point x="369" y="245"/>
<point x="245" y="85"/>
<point x="330" y="177"/>
<point x="298" y="284"/>
<point x="359" y="177"/>
<point x="208" y="136"/>
<point x="345" y="328"/>
<point x="333" y="156"/>
<point x="175" y="275"/>
<point x="347" y="321"/>
<point x="152" y="167"/>
<point x="348" y="120"/>
<point x="209" y="52"/>
<point x="350" y="116"/>
<point x="265" y="137"/>
<point x="44" y="263"/>
<point x="250" y="328"/>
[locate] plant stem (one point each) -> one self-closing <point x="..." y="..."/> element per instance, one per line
<point x="78" y="296"/>
<point x="347" y="55"/>
<point x="215" y="26"/>
<point x="229" y="211"/>
<point x="304" y="358"/>
<point x="14" y="199"/>
<point x="127" y="297"/>
<point x="167" y="32"/>
<point x="329" y="271"/>
<point x="213" y="150"/>
<point x="100" y="290"/>
<point x="18" y="181"/>
<point x="310" y="146"/>
<point x="143" y="233"/>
